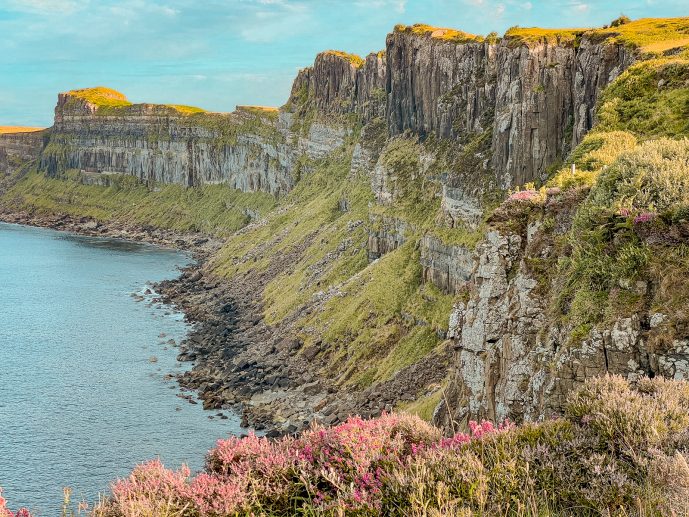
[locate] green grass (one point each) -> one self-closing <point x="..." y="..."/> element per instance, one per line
<point x="424" y="406"/>
<point x="650" y="35"/>
<point x="440" y="33"/>
<point x="536" y="35"/>
<point x="261" y="111"/>
<point x="112" y="102"/>
<point x="101" y="97"/>
<point x="353" y="59"/>
<point x="213" y="209"/>
<point x="185" y="110"/>
<point x="650" y="99"/>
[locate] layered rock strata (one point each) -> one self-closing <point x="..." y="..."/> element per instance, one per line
<point x="18" y="148"/>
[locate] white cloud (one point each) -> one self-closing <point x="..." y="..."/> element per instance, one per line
<point x="527" y="6"/>
<point x="399" y="6"/>
<point x="44" y="6"/>
<point x="580" y="7"/>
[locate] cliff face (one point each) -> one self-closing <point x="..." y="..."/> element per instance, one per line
<point x="17" y="148"/>
<point x="535" y="100"/>
<point x="341" y="84"/>
<point x="244" y="149"/>
<point x="394" y="163"/>
<point x="538" y="97"/>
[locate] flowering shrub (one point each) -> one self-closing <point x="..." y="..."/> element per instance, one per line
<point x="644" y="217"/>
<point x="526" y="195"/>
<point x="5" y="512"/>
<point x="340" y="469"/>
<point x="619" y="446"/>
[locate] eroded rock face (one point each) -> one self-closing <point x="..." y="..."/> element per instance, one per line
<point x="447" y="266"/>
<point x="336" y="84"/>
<point x="19" y="148"/>
<point x="535" y="102"/>
<point x="386" y="234"/>
<point x="513" y="362"/>
<point x="157" y="144"/>
<point x="597" y="65"/>
<point x="539" y="98"/>
<point x="440" y="87"/>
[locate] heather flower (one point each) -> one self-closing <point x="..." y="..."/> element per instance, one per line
<point x="597" y="458"/>
<point x="644" y="217"/>
<point x="5" y="512"/>
<point x="525" y="195"/>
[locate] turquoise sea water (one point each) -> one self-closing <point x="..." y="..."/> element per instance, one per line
<point x="83" y="393"/>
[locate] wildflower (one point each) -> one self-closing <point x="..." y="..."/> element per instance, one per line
<point x="644" y="217"/>
<point x="525" y="195"/>
<point x="5" y="512"/>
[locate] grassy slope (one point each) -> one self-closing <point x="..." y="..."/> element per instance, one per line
<point x="213" y="209"/>
<point x="360" y="319"/>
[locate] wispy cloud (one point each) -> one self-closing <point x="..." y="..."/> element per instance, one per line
<point x="43" y="6"/>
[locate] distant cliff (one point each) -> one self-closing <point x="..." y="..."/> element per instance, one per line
<point x="19" y="146"/>
<point x="535" y="96"/>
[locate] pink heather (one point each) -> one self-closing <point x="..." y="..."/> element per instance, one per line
<point x="524" y="195"/>
<point x="5" y="512"/>
<point x="644" y="217"/>
<point x="340" y="468"/>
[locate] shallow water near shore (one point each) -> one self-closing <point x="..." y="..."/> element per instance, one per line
<point x="83" y="393"/>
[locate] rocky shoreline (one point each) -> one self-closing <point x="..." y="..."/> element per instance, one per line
<point x="239" y="363"/>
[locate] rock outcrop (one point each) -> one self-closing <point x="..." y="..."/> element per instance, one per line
<point x="448" y="266"/>
<point x="17" y="148"/>
<point x="163" y="144"/>
<point x="341" y="84"/>
<point x="514" y="361"/>
<point x="538" y="97"/>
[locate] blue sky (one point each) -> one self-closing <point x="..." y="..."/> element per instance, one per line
<point x="216" y="54"/>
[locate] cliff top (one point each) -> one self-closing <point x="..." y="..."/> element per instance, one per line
<point x="353" y="59"/>
<point x="652" y="35"/>
<point x="101" y="97"/>
<point x="4" y="130"/>
<point x="107" y="98"/>
<point x="649" y="34"/>
<point x="269" y="111"/>
<point x="441" y="33"/>
<point x="530" y="35"/>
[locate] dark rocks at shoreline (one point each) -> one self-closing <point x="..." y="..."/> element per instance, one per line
<point x="241" y="364"/>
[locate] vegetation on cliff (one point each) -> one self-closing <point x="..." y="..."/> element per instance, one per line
<point x="213" y="209"/>
<point x="619" y="450"/>
<point x="4" y="130"/>
<point x="439" y="33"/>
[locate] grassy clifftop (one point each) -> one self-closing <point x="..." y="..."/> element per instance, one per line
<point x="109" y="101"/>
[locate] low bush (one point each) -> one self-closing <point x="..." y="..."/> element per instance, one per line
<point x="619" y="450"/>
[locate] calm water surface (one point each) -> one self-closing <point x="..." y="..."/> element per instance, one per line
<point x="81" y="400"/>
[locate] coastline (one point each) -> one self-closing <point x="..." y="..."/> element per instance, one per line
<point x="233" y="368"/>
<point x="239" y="363"/>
